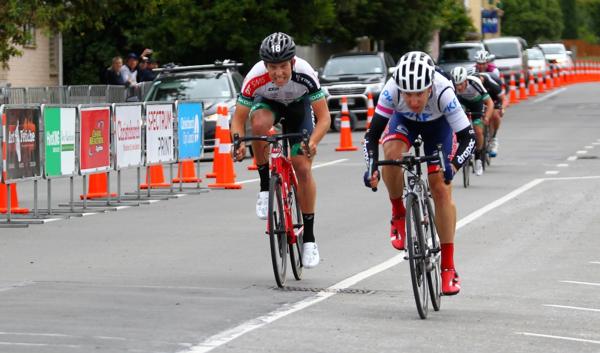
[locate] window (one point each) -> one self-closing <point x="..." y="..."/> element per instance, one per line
<point x="29" y="31"/>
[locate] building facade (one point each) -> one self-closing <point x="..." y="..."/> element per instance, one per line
<point x="40" y="64"/>
<point x="493" y="15"/>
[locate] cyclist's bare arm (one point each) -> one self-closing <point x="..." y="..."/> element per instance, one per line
<point x="489" y="109"/>
<point x="322" y="126"/>
<point x="238" y="124"/>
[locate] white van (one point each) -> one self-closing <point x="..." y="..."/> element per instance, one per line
<point x="511" y="55"/>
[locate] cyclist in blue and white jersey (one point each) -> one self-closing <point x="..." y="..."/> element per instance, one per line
<point x="419" y="101"/>
<point x="476" y="100"/>
<point x="284" y="85"/>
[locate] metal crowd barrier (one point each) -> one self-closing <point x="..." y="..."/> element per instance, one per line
<point x="80" y="94"/>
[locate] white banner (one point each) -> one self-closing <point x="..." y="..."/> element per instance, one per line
<point x="128" y="135"/>
<point x="159" y="133"/>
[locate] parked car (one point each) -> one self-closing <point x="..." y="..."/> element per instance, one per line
<point x="556" y="53"/>
<point x="212" y="84"/>
<point x="536" y="62"/>
<point x="458" y="54"/>
<point x="511" y="55"/>
<point x="354" y="75"/>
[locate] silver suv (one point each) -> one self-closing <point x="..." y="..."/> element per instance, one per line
<point x="458" y="54"/>
<point x="354" y="75"/>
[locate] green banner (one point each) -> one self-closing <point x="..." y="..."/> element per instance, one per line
<point x="59" y="136"/>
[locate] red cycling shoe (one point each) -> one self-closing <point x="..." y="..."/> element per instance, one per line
<point x="450" y="282"/>
<point x="398" y="233"/>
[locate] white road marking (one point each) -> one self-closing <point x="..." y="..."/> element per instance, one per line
<point x="551" y="172"/>
<point x="572" y="158"/>
<point x="557" y="337"/>
<point x="314" y="167"/>
<point x="574" y="178"/>
<point x="588" y="147"/>
<point x="581" y="152"/>
<point x="595" y="143"/>
<point x="571" y="307"/>
<point x="229" y="335"/>
<point x="584" y="283"/>
<point x="562" y="165"/>
<point x="38" y="344"/>
<point x="15" y="285"/>
<point x="595" y="262"/>
<point x="549" y="95"/>
<point x="51" y="220"/>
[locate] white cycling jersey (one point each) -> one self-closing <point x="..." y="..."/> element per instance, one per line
<point x="303" y="82"/>
<point x="442" y="103"/>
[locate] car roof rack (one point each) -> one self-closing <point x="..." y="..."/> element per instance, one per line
<point x="172" y="67"/>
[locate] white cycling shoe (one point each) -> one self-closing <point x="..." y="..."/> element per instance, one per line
<point x="262" y="205"/>
<point x="478" y="167"/>
<point x="494" y="147"/>
<point x="310" y="255"/>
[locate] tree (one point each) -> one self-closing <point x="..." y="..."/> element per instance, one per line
<point x="569" y="11"/>
<point x="534" y="20"/>
<point x="455" y="22"/>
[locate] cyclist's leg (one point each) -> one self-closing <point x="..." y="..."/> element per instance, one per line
<point x="478" y="163"/>
<point x="299" y="117"/>
<point x="396" y="140"/>
<point x="445" y="209"/>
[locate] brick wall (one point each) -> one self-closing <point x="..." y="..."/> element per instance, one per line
<point x="33" y="68"/>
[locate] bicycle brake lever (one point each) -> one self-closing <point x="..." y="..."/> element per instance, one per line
<point x="305" y="140"/>
<point x="441" y="157"/>
<point x="371" y="168"/>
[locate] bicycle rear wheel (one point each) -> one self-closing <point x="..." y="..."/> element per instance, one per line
<point x="434" y="280"/>
<point x="416" y="256"/>
<point x="277" y="231"/>
<point x="296" y="248"/>
<point x="467" y="173"/>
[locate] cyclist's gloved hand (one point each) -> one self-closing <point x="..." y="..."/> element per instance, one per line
<point x="372" y="180"/>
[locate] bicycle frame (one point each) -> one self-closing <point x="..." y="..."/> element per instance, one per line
<point x="281" y="165"/>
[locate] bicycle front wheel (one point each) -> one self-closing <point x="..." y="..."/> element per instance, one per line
<point x="416" y="254"/>
<point x="434" y="254"/>
<point x="277" y="231"/>
<point x="296" y="248"/>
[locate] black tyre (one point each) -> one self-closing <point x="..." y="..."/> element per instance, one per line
<point x="277" y="233"/>
<point x="433" y="266"/>
<point x="416" y="258"/>
<point x="467" y="173"/>
<point x="297" y="248"/>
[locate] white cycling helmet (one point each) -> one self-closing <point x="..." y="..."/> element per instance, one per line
<point x="459" y="75"/>
<point x="414" y="72"/>
<point x="482" y="56"/>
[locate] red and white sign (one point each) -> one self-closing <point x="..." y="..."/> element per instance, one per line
<point x="159" y="133"/>
<point x="94" y="141"/>
<point x="128" y="135"/>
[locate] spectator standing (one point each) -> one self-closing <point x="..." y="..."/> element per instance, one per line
<point x="147" y="74"/>
<point x="113" y="75"/>
<point x="129" y="70"/>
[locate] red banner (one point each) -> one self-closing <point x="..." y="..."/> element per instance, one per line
<point x="94" y="152"/>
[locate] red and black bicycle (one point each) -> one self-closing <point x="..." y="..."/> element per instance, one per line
<point x="284" y="221"/>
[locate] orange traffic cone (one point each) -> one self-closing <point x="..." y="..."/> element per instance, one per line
<point x="225" y="174"/>
<point x="549" y="81"/>
<point x="513" y="90"/>
<point x="532" y="91"/>
<point x="522" y="87"/>
<point x="216" y="162"/>
<point x="186" y="173"/>
<point x="345" y="130"/>
<point x="157" y="178"/>
<point x="540" y="82"/>
<point x="14" y="200"/>
<point x="370" y="109"/>
<point x="97" y="187"/>
<point x="557" y="80"/>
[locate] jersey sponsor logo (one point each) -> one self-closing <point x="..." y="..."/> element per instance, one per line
<point x="256" y="83"/>
<point x="387" y="95"/>
<point x="467" y="152"/>
<point x="417" y="116"/>
<point x="306" y="81"/>
<point x="451" y="106"/>
<point x="274" y="88"/>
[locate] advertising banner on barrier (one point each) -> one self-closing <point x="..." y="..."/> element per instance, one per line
<point x="94" y="151"/>
<point x="22" y="142"/>
<point x="159" y="133"/>
<point x="128" y="135"/>
<point x="189" y="130"/>
<point x="59" y="134"/>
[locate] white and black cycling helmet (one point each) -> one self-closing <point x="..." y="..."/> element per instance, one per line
<point x="459" y="75"/>
<point x="482" y="57"/>
<point x="414" y="72"/>
<point x="277" y="47"/>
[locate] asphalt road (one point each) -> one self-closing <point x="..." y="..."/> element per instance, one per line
<point x="193" y="274"/>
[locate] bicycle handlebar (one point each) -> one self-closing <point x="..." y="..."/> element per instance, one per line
<point x="237" y="140"/>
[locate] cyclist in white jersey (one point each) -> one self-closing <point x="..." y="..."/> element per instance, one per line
<point x="419" y="101"/>
<point x="284" y="85"/>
